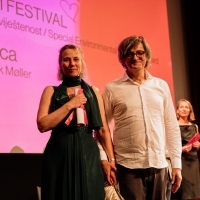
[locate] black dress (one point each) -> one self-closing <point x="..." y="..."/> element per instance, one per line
<point x="71" y="160"/>
<point x="190" y="186"/>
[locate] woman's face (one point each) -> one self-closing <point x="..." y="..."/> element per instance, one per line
<point x="183" y="109"/>
<point x="71" y="63"/>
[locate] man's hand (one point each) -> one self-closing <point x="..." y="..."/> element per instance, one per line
<point x="176" y="179"/>
<point x="110" y="171"/>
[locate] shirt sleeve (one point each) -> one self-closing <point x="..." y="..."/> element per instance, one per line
<point x="173" y="134"/>
<point x="107" y="98"/>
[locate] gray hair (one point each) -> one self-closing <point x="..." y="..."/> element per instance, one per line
<point x="128" y="43"/>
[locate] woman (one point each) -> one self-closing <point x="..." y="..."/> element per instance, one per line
<point x="71" y="164"/>
<point x="190" y="186"/>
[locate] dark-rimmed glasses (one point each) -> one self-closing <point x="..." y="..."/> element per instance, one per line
<point x="139" y="54"/>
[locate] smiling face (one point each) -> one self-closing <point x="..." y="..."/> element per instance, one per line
<point x="71" y="63"/>
<point x="135" y="59"/>
<point x="134" y="45"/>
<point x="183" y="109"/>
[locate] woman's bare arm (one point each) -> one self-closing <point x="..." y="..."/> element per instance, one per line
<point x="46" y="120"/>
<point x="104" y="131"/>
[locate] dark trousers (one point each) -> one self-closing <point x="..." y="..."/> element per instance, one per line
<point x="169" y="189"/>
<point x="142" y="184"/>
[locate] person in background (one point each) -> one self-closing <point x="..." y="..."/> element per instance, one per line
<point x="190" y="186"/>
<point x="71" y="161"/>
<point x="145" y="125"/>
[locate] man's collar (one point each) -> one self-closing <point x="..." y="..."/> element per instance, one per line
<point x="125" y="77"/>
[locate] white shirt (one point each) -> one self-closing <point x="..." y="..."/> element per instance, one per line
<point x="145" y="122"/>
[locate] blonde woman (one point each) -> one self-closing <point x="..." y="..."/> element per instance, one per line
<point x="71" y="165"/>
<point x="190" y="186"/>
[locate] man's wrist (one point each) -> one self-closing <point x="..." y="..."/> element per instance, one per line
<point x="111" y="159"/>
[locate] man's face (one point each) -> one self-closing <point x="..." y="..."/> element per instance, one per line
<point x="135" y="60"/>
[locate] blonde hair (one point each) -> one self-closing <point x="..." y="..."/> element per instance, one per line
<point x="191" y="116"/>
<point x="71" y="46"/>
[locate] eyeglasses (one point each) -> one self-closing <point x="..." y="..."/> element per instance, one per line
<point x="139" y="54"/>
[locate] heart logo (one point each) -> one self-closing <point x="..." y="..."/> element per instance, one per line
<point x="71" y="10"/>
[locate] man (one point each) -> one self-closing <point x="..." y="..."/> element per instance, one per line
<point x="145" y="126"/>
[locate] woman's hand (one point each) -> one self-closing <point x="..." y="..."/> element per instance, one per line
<point x="186" y="148"/>
<point x="77" y="101"/>
<point x="196" y="145"/>
<point x="46" y="120"/>
<point x="109" y="171"/>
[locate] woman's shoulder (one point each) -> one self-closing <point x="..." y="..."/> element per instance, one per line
<point x="97" y="92"/>
<point x="96" y="89"/>
<point x="52" y="87"/>
<point x="49" y="88"/>
<point x="193" y="124"/>
<point x="196" y="126"/>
